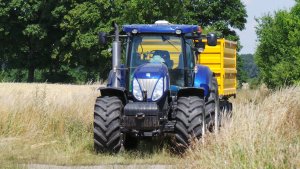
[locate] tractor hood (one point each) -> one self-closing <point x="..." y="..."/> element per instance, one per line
<point x="152" y="78"/>
<point x="151" y="71"/>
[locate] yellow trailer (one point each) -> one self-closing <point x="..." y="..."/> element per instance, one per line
<point x="221" y="59"/>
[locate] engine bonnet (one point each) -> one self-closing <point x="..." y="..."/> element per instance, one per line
<point x="151" y="71"/>
<point x="148" y="75"/>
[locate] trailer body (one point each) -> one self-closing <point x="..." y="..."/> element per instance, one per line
<point x="221" y="59"/>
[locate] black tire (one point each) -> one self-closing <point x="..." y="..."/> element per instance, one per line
<point x="230" y="107"/>
<point x="107" y="133"/>
<point x="189" y="121"/>
<point x="212" y="105"/>
<point x="226" y="109"/>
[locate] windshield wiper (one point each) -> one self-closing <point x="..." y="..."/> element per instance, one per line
<point x="166" y="39"/>
<point x="173" y="45"/>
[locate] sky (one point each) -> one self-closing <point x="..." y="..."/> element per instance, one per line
<point x="256" y="9"/>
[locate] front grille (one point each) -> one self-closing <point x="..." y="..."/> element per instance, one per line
<point x="148" y="85"/>
<point x="148" y="123"/>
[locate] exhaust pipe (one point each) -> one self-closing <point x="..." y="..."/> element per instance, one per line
<point x="116" y="57"/>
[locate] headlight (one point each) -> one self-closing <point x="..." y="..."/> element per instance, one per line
<point x="178" y="31"/>
<point x="158" y="90"/>
<point x="137" y="93"/>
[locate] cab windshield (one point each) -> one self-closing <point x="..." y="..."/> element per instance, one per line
<point x="166" y="49"/>
<point x="157" y="48"/>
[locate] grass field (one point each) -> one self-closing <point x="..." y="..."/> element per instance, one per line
<point x="52" y="124"/>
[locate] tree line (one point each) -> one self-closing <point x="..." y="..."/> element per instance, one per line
<point x="56" y="41"/>
<point x="278" y="51"/>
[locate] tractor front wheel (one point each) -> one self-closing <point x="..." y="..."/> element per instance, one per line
<point x="107" y="132"/>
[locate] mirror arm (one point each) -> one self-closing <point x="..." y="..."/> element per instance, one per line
<point x="121" y="36"/>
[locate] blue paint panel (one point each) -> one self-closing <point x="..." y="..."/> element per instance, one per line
<point x="154" y="28"/>
<point x="123" y="76"/>
<point x="151" y="71"/>
<point x="203" y="78"/>
<point x="174" y="88"/>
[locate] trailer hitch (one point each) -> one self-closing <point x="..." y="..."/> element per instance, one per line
<point x="140" y="116"/>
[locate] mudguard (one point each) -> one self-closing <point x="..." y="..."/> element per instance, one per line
<point x="203" y="78"/>
<point x="118" y="92"/>
<point x="191" y="91"/>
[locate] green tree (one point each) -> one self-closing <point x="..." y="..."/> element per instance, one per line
<point x="219" y="15"/>
<point x="29" y="32"/>
<point x="278" y="52"/>
<point x="242" y="75"/>
<point x="59" y="38"/>
<point x="249" y="65"/>
<point x="86" y="19"/>
<point x="80" y="48"/>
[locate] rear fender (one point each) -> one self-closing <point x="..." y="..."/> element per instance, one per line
<point x="120" y="92"/>
<point x="203" y="78"/>
<point x="191" y="91"/>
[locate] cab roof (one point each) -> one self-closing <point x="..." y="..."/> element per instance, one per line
<point x="160" y="28"/>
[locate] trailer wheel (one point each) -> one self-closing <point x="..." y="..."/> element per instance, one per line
<point x="226" y="108"/>
<point x="189" y="121"/>
<point x="107" y="133"/>
<point x="212" y="107"/>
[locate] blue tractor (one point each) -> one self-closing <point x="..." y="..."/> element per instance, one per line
<point x="159" y="90"/>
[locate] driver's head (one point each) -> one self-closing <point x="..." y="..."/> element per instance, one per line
<point x="157" y="59"/>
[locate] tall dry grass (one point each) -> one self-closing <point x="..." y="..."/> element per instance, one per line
<point x="39" y="121"/>
<point x="264" y="132"/>
<point x="52" y="124"/>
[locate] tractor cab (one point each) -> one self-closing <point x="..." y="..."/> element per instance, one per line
<point x="159" y="47"/>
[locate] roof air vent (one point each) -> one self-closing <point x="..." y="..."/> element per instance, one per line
<point x="162" y="22"/>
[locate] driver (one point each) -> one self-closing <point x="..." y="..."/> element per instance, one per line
<point x="157" y="59"/>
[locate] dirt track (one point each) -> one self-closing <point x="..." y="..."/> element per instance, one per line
<point x="41" y="166"/>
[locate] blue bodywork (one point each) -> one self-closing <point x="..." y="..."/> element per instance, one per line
<point x="203" y="79"/>
<point x="154" y="28"/>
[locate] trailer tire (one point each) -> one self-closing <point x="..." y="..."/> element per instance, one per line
<point x="226" y="108"/>
<point x="189" y="121"/>
<point x="212" y="107"/>
<point x="107" y="132"/>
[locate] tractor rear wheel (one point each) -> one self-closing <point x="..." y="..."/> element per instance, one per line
<point x="107" y="132"/>
<point x="212" y="107"/>
<point x="189" y="121"/>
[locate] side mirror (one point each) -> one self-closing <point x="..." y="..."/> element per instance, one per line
<point x="212" y="39"/>
<point x="102" y="38"/>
